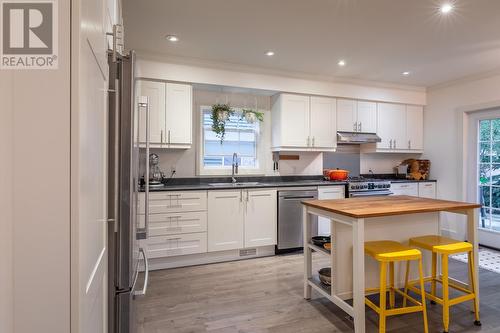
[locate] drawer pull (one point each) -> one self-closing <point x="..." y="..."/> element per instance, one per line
<point x="176" y="238"/>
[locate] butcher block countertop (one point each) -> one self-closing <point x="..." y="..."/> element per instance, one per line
<point x="365" y="207"/>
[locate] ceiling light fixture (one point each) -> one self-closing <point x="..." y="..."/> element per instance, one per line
<point x="269" y="53"/>
<point x="446" y="8"/>
<point x="406" y="73"/>
<point x="172" y="38"/>
<point x="341" y="63"/>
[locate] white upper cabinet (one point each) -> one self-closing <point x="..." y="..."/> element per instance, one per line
<point x="356" y="116"/>
<point x="293" y="121"/>
<point x="260" y="217"/>
<point x="367" y="117"/>
<point x="391" y="125"/>
<point x="303" y="123"/>
<point x="170" y="113"/>
<point x="415" y="127"/>
<point x="323" y="122"/>
<point x="347" y="116"/>
<point x="156" y="93"/>
<point x="179" y="112"/>
<point x="400" y="127"/>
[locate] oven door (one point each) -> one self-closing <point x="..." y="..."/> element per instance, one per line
<point x="369" y="194"/>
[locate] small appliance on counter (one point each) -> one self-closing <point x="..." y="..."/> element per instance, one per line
<point x="402" y="170"/>
<point x="156" y="176"/>
<point x="416" y="169"/>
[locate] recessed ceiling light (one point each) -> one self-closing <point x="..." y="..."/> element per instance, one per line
<point x="341" y="63"/>
<point x="446" y="8"/>
<point x="269" y="53"/>
<point x="172" y="38"/>
<point x="406" y="73"/>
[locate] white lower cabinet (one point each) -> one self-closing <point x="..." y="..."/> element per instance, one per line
<point x="173" y="201"/>
<point x="176" y="245"/>
<point x="225" y="220"/>
<point x="421" y="189"/>
<point x="176" y="223"/>
<point x="241" y="219"/>
<point x="427" y="190"/>
<point x="405" y="189"/>
<point x="260" y="218"/>
<point x="325" y="193"/>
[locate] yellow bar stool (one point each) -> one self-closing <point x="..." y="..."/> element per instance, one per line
<point x="387" y="253"/>
<point x="445" y="247"/>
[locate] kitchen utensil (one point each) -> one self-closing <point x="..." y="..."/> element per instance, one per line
<point x="338" y="174"/>
<point x="325" y="275"/>
<point x="320" y="240"/>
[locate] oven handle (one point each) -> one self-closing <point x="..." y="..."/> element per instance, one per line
<point x="369" y="194"/>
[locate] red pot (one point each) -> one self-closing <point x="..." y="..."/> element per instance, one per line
<point x="338" y="174"/>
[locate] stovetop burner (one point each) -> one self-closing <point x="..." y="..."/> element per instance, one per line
<point x="364" y="179"/>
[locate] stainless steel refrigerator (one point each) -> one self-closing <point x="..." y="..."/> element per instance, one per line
<point x="126" y="257"/>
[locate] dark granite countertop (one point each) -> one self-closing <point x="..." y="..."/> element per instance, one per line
<point x="394" y="178"/>
<point x="192" y="184"/>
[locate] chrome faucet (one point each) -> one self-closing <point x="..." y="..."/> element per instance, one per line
<point x="234" y="167"/>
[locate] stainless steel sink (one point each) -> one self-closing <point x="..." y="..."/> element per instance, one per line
<point x="234" y="184"/>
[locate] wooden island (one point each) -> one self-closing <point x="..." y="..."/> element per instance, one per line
<point x="356" y="220"/>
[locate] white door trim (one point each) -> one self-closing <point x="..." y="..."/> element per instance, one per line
<point x="470" y="156"/>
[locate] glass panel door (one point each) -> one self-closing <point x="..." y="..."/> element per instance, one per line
<point x="489" y="173"/>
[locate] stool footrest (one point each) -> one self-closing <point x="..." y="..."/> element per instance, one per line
<point x="469" y="295"/>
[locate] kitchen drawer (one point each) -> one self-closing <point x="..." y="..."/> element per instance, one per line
<point x="177" y="245"/>
<point x="176" y="223"/>
<point x="405" y="189"/>
<point x="331" y="192"/>
<point x="427" y="190"/>
<point x="171" y="202"/>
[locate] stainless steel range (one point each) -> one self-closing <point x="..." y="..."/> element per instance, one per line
<point x="362" y="187"/>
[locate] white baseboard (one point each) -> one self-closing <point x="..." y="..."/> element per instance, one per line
<point x="208" y="258"/>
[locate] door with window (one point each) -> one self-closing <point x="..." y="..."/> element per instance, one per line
<point x="484" y="187"/>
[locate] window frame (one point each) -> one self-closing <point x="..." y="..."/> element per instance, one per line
<point x="211" y="171"/>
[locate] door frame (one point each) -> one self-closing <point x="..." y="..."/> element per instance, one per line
<point x="471" y="117"/>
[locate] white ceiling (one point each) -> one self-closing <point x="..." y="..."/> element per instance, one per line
<point x="379" y="39"/>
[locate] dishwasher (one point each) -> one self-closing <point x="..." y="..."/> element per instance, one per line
<point x="290" y="217"/>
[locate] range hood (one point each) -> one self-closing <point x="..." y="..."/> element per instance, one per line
<point x="357" y="138"/>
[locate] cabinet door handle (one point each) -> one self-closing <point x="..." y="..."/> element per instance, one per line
<point x="409" y="144"/>
<point x="394" y="143"/>
<point x="355" y="127"/>
<point x="308" y="141"/>
<point x="313" y="141"/>
<point x="168" y="136"/>
<point x="390" y="144"/>
<point x="359" y="127"/>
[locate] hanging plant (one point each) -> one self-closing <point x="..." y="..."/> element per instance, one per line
<point x="220" y="114"/>
<point x="251" y="116"/>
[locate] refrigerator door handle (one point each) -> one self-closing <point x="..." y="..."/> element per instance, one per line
<point x="146" y="275"/>
<point x="144" y="232"/>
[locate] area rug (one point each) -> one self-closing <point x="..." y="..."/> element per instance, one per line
<point x="488" y="259"/>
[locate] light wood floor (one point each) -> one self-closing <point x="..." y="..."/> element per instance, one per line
<point x="265" y="295"/>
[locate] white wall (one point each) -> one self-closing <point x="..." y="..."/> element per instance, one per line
<point x="163" y="70"/>
<point x="34" y="194"/>
<point x="382" y="162"/>
<point x="6" y="203"/>
<point x="443" y="134"/>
